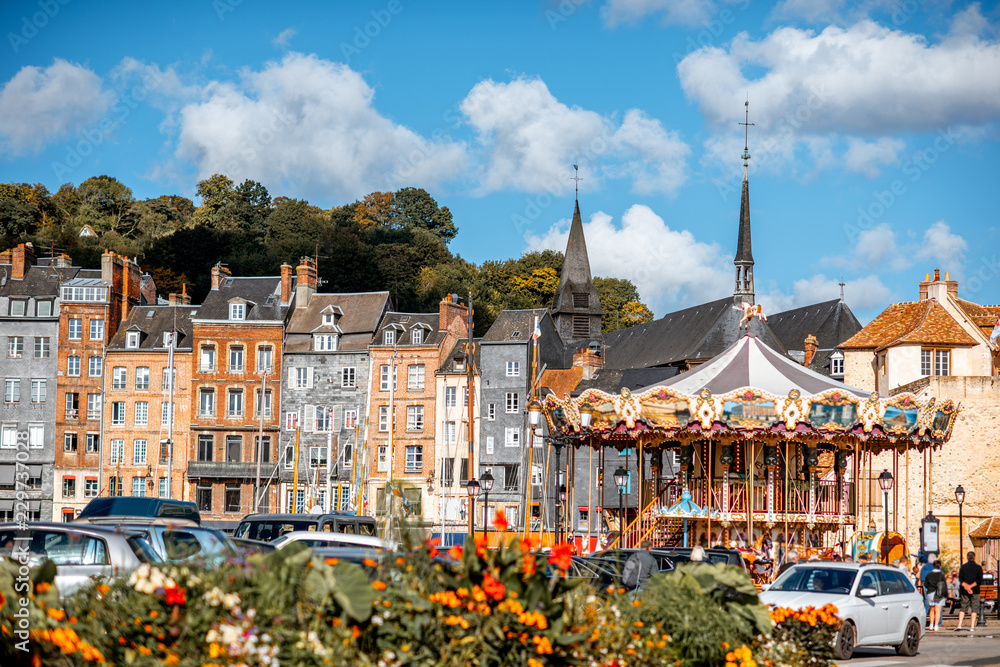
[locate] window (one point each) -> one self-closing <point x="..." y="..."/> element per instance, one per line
<point x="132" y="340"/>
<point x="139" y="448"/>
<point x="513" y="369"/>
<point x="232" y="497"/>
<point x="90" y="489"/>
<point x="447" y="472"/>
<point x="491" y="412"/>
<point x="262" y="449"/>
<point x="347" y="454"/>
<point x="41" y="347"/>
<point x="510" y="475"/>
<point x="166" y="377"/>
<point x="234" y="448"/>
<point x="450" y="397"/>
<point x="322" y="421"/>
<point x="38" y="391"/>
<point x="414" y="458"/>
<point x="206" y="402"/>
<point x="139" y="486"/>
<point x="460" y="363"/>
<point x="389" y="337"/>
<point x="43" y="308"/>
<point x="15" y="346"/>
<point x="8" y="440"/>
<point x="117" y="451"/>
<point x="84" y="293"/>
<point x="203" y="496"/>
<point x="291" y="420"/>
<point x="141" y="413"/>
<point x="207" y="362"/>
<point x="267" y="403"/>
<point x="384" y="377"/>
<point x="142" y="377"/>
<point x="118" y="413"/>
<point x="300" y="500"/>
<point x="465" y="397"/>
<point x="490" y="444"/>
<point x="836" y="365"/>
<point x="383" y="418"/>
<point x="11" y="391"/>
<point x="69" y="442"/>
<point x="512" y="402"/>
<point x="73" y="366"/>
<point x="36" y="436"/>
<point x="417" y="336"/>
<point x="93" y="443"/>
<point x="118" y="377"/>
<point x="327" y="318"/>
<point x="164" y="451"/>
<point x="96" y="329"/>
<point x="302" y="378"/>
<point x="415" y="418"/>
<point x="235" y="404"/>
<point x="75" y="328"/>
<point x="162" y="488"/>
<point x="536" y="474"/>
<point x="317" y="457"/>
<point x="463" y="472"/>
<point x="324" y="343"/>
<point x="348" y="377"/>
<point x="93" y="406"/>
<point x="237" y="311"/>
<point x="289" y="456"/>
<point x="206" y="445"/>
<point x="451" y="432"/>
<point x="94" y="366"/>
<point x="168" y="338"/>
<point x="581" y="326"/>
<point x="69" y="487"/>
<point x="265" y="358"/>
<point x="512" y="437"/>
<point x="416" y="377"/>
<point x="934" y="362"/>
<point x="72" y="405"/>
<point x="350" y="418"/>
<point x="18" y="307"/>
<point x="236" y="359"/>
<point x="383" y="458"/>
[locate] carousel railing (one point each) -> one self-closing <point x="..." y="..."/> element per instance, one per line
<point x="640" y="525"/>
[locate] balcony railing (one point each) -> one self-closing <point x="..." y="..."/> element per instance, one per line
<point x="206" y="368"/>
<point x="222" y="469"/>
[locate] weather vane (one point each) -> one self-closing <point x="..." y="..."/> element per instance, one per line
<point x="577" y="178"/>
<point x="746" y="131"/>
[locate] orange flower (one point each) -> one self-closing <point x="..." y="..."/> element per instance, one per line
<point x="500" y="521"/>
<point x="369" y="562"/>
<point x="432" y="550"/>
<point x="493" y="588"/>
<point x="379" y="585"/>
<point x="480" y="541"/>
<point x="330" y="561"/>
<point x="42" y="587"/>
<point x="561" y="555"/>
<point x="455" y="552"/>
<point x="154" y="614"/>
<point x="56" y="614"/>
<point x="527" y="544"/>
<point x="529" y="565"/>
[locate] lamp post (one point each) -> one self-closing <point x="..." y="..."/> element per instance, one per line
<point x="561" y="513"/>
<point x="885" y="482"/>
<point x="620" y="477"/>
<point x="472" y="486"/>
<point x="486" y="482"/>
<point x="960" y="499"/>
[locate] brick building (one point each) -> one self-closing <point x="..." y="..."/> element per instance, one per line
<point x="137" y="423"/>
<point x="409" y="348"/>
<point x="325" y="395"/>
<point x="92" y="305"/>
<point x="237" y="339"/>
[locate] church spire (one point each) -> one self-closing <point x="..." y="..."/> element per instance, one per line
<point x="744" y="291"/>
<point x="576" y="307"/>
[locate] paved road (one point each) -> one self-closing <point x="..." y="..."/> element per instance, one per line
<point x="938" y="648"/>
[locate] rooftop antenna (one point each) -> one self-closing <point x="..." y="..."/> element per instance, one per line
<point x="841" y="283"/>
<point x="576" y="177"/>
<point x="746" y="131"/>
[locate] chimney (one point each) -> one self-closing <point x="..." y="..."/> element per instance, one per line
<point x="218" y="271"/>
<point x="589" y="359"/>
<point x="305" y="281"/>
<point x="6" y="255"/>
<point x="286" y="283"/>
<point x="131" y="286"/>
<point x="938" y="289"/>
<point x="451" y="309"/>
<point x="923" y="287"/>
<point x="23" y="258"/>
<point x="811" y="345"/>
<point x="110" y="265"/>
<point x="62" y="262"/>
<point x="182" y="299"/>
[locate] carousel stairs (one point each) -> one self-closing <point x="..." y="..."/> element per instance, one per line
<point x="652" y="525"/>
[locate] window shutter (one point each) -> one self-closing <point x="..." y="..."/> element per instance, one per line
<point x="309" y="379"/>
<point x="337" y="419"/>
<point x="489" y="444"/>
<point x="310" y="419"/>
<point x="291" y="377"/>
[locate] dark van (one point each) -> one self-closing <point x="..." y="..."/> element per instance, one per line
<point x="268" y="527"/>
<point x="160" y="510"/>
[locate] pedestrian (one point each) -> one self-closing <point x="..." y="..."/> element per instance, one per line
<point x="697" y="553"/>
<point x="927" y="564"/>
<point x="970" y="575"/>
<point x="936" y="593"/>
<point x="791" y="559"/>
<point x="904" y="566"/>
<point x="863" y="559"/>
<point x="639" y="567"/>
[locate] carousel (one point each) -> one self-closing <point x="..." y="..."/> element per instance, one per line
<point x="770" y="453"/>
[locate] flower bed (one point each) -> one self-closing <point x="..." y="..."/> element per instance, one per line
<point x="469" y="607"/>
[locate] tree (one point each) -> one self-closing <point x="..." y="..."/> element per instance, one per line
<point x="215" y="192"/>
<point x="376" y="210"/>
<point x="621" y="304"/>
<point x="293" y="228"/>
<point x="107" y="203"/>
<point x="416" y="209"/>
<point x="248" y="207"/>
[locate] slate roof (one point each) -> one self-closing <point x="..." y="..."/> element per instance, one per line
<point x="744" y="252"/>
<point x="37" y="280"/>
<point x="361" y="314"/>
<point x="917" y="322"/>
<point x="693" y="334"/>
<point x="575" y="277"/>
<point x="513" y="325"/>
<point x="633" y="379"/>
<point x="404" y="323"/>
<point x="832" y="322"/>
<point x="457" y="351"/>
<point x="153" y="322"/>
<point x="263" y="296"/>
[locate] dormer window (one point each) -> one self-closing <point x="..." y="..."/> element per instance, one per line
<point x="837" y="364"/>
<point x="327" y="318"/>
<point x="237" y="311"/>
<point x="132" y="340"/>
<point x="18" y="307"/>
<point x="325" y="343"/>
<point x="459" y="363"/>
<point x="167" y="337"/>
<point x="417" y="336"/>
<point x="389" y="337"/>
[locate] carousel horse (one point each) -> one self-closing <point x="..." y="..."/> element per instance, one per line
<point x="750" y="312"/>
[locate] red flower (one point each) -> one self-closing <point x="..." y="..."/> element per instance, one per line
<point x="455" y="552"/>
<point x="432" y="547"/>
<point x="480" y="541"/>
<point x="527" y="544"/>
<point x="529" y="565"/>
<point x="561" y="555"/>
<point x="493" y="588"/>
<point x="501" y="521"/>
<point x="175" y="595"/>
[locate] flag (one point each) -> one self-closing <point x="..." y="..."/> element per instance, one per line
<point x="537" y="332"/>
<point x="996" y="333"/>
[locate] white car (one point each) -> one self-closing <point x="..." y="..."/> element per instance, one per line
<point x="318" y="539"/>
<point x="878" y="604"/>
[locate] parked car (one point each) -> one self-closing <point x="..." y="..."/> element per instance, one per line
<point x="669" y="557"/>
<point x="251" y="547"/>
<point x="269" y="527"/>
<point x="113" y="509"/>
<point x="184" y="543"/>
<point x="877" y="604"/>
<point x="82" y="554"/>
<point x="314" y="539"/>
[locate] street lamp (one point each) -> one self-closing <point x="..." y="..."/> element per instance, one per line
<point x="486" y="481"/>
<point x="560" y="532"/>
<point x="472" y="486"/>
<point x="885" y="482"/>
<point x="960" y="499"/>
<point x="620" y="477"/>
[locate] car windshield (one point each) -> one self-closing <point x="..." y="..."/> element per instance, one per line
<point x="143" y="550"/>
<point x="816" y="579"/>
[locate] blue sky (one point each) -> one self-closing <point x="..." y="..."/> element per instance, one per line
<point x="873" y="150"/>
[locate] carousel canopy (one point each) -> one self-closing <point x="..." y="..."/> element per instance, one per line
<point x="750" y="363"/>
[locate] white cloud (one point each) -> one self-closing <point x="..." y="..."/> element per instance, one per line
<point x="867" y="157"/>
<point x="670" y="267"/>
<point x="284" y="36"/>
<point x="861" y="294"/>
<point x="40" y="105"/>
<point x="530" y="138"/>
<point x="945" y="248"/>
<point x="308" y="122"/>
<point x="680" y="12"/>
<point x="813" y="11"/>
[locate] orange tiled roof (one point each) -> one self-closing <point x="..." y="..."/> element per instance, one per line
<point x="989" y="529"/>
<point x="920" y="322"/>
<point x="561" y="381"/>
<point x="983" y="316"/>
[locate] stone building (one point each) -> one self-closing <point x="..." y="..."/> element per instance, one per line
<point x="237" y="337"/>
<point x="937" y="346"/>
<point x="137" y="421"/>
<point x="325" y="395"/>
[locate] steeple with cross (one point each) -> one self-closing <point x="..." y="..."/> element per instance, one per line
<point x="743" y="291"/>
